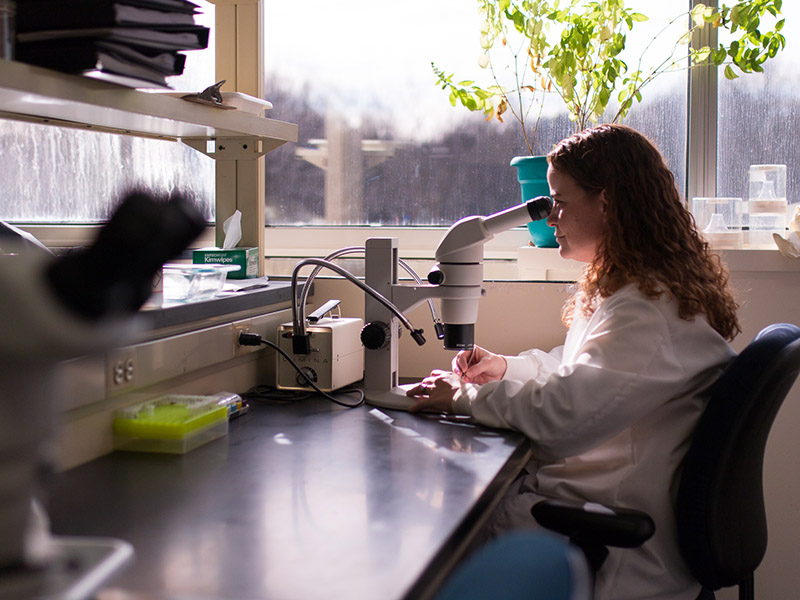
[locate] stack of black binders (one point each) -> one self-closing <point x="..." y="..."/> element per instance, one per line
<point x="137" y="43"/>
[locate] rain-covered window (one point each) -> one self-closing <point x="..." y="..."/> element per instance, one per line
<point x="379" y="141"/>
<point x="757" y="122"/>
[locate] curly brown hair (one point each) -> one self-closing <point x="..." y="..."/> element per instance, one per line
<point x="651" y="239"/>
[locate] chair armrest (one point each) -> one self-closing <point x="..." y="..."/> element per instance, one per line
<point x="586" y="522"/>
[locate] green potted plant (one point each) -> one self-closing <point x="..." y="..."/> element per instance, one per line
<point x="571" y="49"/>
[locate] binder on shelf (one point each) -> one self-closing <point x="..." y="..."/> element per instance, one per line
<point x="132" y="42"/>
<point x="75" y="56"/>
<point x="177" y="5"/>
<point x="124" y="80"/>
<point x="114" y="69"/>
<point x="63" y="14"/>
<point x="189" y="37"/>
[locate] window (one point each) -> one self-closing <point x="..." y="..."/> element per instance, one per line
<point x="757" y="121"/>
<point x="379" y="142"/>
<point x="57" y="175"/>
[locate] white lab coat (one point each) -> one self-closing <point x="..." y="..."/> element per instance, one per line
<point x="609" y="415"/>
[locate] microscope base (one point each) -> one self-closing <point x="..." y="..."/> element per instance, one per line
<point x="395" y="398"/>
<point x="79" y="568"/>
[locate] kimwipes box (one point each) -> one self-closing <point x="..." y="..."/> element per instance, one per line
<point x="246" y="258"/>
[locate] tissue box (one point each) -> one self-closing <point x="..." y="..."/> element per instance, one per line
<point x="246" y="258"/>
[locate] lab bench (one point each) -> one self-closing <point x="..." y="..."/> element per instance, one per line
<point x="187" y="348"/>
<point x="301" y="500"/>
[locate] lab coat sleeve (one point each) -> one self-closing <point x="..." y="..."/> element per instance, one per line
<point x="624" y="368"/>
<point x="533" y="364"/>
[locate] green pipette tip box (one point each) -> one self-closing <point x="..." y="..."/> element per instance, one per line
<point x="173" y="424"/>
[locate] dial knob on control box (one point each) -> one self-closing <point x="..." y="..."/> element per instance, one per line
<point x="310" y="374"/>
<point x="375" y="335"/>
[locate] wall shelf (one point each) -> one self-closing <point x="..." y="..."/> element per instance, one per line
<point x="34" y="94"/>
<point x="235" y="138"/>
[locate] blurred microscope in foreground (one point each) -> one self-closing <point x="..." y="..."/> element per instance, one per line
<point x="52" y="309"/>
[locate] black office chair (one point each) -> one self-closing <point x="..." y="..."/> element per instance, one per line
<point x="721" y="520"/>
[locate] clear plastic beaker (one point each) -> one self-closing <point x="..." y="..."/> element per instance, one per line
<point x="766" y="205"/>
<point x="720" y="221"/>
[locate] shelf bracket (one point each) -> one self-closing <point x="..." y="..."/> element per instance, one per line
<point x="231" y="148"/>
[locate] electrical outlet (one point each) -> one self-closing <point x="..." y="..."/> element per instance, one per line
<point x="263" y="325"/>
<point x="239" y="327"/>
<point x="122" y="369"/>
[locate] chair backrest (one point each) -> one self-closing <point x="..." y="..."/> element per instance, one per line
<point x="722" y="526"/>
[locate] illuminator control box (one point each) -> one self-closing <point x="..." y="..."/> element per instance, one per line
<point x="336" y="358"/>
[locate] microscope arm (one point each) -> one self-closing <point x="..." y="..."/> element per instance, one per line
<point x="300" y="342"/>
<point x="464" y="241"/>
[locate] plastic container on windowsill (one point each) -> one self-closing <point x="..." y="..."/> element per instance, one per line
<point x="191" y="283"/>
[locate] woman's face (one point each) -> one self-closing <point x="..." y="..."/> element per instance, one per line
<point x="578" y="216"/>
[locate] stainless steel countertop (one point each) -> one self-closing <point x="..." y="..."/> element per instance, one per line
<point x="300" y="501"/>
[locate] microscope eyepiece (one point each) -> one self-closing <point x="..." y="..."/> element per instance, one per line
<point x="539" y="207"/>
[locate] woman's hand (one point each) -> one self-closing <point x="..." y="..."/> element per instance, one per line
<point x="435" y="393"/>
<point x="479" y="365"/>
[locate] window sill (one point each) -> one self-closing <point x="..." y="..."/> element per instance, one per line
<point x="508" y="256"/>
<point x="745" y="260"/>
<point x="503" y="261"/>
<point x="546" y="264"/>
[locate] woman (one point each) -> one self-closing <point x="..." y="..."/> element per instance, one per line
<point x="610" y="413"/>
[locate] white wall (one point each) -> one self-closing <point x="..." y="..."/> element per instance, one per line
<point x="766" y="297"/>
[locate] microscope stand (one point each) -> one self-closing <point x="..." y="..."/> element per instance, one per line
<point x="80" y="567"/>
<point x="394" y="398"/>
